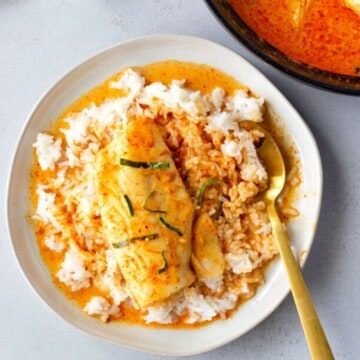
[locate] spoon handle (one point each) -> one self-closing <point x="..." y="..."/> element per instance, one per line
<point x="314" y="333"/>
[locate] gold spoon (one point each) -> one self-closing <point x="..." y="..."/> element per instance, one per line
<point x="270" y="154"/>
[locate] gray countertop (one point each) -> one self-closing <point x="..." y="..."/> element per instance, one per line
<point x="42" y="39"/>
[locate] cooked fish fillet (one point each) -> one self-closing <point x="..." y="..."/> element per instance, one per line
<point x="146" y="213"/>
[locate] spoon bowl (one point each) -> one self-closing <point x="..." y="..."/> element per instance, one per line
<point x="271" y="156"/>
<point x="273" y="161"/>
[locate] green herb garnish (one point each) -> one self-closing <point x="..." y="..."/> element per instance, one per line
<point x="203" y="188"/>
<point x="145" y="237"/>
<point x="129" y="204"/>
<point x="148" y="204"/>
<point x="218" y="210"/>
<point x="121" y="244"/>
<point x="171" y="227"/>
<point x="145" y="165"/>
<point x="165" y="266"/>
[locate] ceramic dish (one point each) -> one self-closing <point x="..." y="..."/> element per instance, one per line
<point x="311" y="75"/>
<point x="139" y="52"/>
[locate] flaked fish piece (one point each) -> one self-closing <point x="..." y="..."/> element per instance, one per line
<point x="146" y="212"/>
<point x="207" y="258"/>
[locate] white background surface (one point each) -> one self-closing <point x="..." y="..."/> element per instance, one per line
<point x="42" y="39"/>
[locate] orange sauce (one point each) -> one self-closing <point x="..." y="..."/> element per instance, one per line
<point x="328" y="39"/>
<point x="198" y="77"/>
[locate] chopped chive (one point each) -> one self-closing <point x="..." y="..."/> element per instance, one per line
<point x="121" y="244"/>
<point x="171" y="227"/>
<point x="145" y="237"/>
<point x="165" y="266"/>
<point x="218" y="210"/>
<point x="204" y="187"/>
<point x="159" y="165"/>
<point x="145" y="165"/>
<point x="147" y="206"/>
<point x="155" y="211"/>
<point x="129" y="204"/>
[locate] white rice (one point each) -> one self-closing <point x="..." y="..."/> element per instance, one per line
<point x="48" y="150"/>
<point x="54" y="244"/>
<point x="73" y="271"/>
<point x="239" y="263"/>
<point x="100" y="306"/>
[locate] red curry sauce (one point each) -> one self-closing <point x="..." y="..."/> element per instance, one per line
<point x="329" y="38"/>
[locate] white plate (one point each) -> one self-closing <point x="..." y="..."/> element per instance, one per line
<point x="139" y="52"/>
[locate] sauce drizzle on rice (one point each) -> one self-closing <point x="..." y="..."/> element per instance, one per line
<point x="198" y="120"/>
